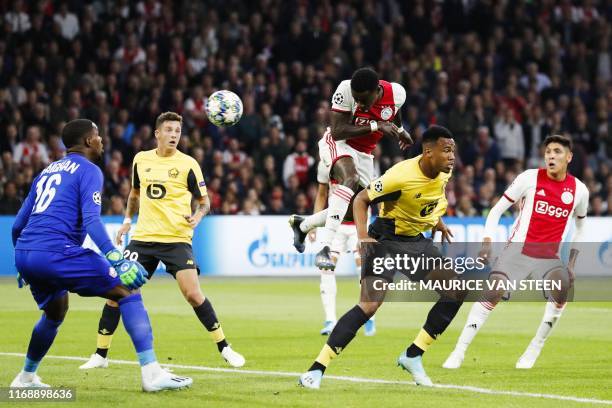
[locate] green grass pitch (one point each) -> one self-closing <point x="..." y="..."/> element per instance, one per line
<point x="275" y="324"/>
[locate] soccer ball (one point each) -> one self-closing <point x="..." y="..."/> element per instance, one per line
<point x="224" y="108"/>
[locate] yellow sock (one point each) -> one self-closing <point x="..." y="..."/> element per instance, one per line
<point x="326" y="355"/>
<point x="217" y="335"/>
<point x="104" y="341"/>
<point x="423" y="340"/>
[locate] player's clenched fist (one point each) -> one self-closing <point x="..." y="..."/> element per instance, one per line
<point x="388" y="129"/>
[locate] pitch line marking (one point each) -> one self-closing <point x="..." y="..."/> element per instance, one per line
<point x="469" y="388"/>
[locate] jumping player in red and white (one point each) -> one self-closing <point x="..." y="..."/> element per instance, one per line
<point x="364" y="109"/>
<point x="549" y="198"/>
<point x="345" y="241"/>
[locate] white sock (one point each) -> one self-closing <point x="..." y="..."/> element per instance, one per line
<point x="313" y="221"/>
<point x="338" y="204"/>
<point x="328" y="295"/>
<point x="552" y="313"/>
<point x="150" y="371"/>
<point x="477" y="317"/>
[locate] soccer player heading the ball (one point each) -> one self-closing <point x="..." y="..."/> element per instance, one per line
<point x="63" y="206"/>
<point x="364" y="109"/>
<point x="169" y="180"/>
<point x="413" y="200"/>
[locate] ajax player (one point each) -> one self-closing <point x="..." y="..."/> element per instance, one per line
<point x="548" y="198"/>
<point x="345" y="240"/>
<point x="364" y="109"/>
<point x="62" y="207"/>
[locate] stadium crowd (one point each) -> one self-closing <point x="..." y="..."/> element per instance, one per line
<point x="501" y="75"/>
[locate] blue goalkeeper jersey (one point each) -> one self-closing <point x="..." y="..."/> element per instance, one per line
<point x="63" y="205"/>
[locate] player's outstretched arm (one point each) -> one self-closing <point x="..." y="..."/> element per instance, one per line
<point x="131" y="209"/>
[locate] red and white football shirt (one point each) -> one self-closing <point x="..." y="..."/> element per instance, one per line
<point x="546" y="206"/>
<point x="384" y="109"/>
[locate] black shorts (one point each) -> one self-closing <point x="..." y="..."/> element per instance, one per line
<point x="391" y="245"/>
<point x="176" y="256"/>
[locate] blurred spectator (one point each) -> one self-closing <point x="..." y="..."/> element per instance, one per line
<point x="17" y="20"/>
<point x="465" y="207"/>
<point x="10" y="203"/>
<point x="31" y="149"/>
<point x="276" y="205"/>
<point x="195" y="115"/>
<point x="298" y="163"/>
<point x="67" y="21"/>
<point x="509" y="136"/>
<point x="117" y="206"/>
<point x="461" y="122"/>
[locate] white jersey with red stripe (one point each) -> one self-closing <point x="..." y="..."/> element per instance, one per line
<point x="546" y="207"/>
<point x="384" y="109"/>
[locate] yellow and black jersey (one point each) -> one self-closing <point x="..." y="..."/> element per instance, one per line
<point x="412" y="203"/>
<point x="167" y="185"/>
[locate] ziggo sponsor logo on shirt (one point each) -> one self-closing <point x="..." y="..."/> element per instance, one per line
<point x="542" y="207"/>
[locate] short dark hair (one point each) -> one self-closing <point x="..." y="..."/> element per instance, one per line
<point x="168" y="116"/>
<point x="364" y="80"/>
<point x="561" y="139"/>
<point x="435" y="132"/>
<point x="75" y="130"/>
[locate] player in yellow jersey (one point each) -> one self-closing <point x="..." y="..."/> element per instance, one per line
<point x="413" y="200"/>
<point x="164" y="182"/>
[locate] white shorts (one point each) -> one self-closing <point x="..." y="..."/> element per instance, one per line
<point x="517" y="266"/>
<point x="331" y="150"/>
<point x="345" y="239"/>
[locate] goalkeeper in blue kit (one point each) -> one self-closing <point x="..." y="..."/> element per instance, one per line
<point x="62" y="207"/>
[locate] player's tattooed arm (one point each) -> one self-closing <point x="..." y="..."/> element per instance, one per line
<point x="342" y="128"/>
<point x="203" y="205"/>
<point x="133" y="203"/>
<point x="202" y="208"/>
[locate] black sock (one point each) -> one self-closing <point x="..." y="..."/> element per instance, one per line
<point x="317" y="366"/>
<point x="340" y="337"/>
<point x="346" y="328"/>
<point x="207" y="316"/>
<point x="439" y="317"/>
<point x="106" y="327"/>
<point x="413" y="350"/>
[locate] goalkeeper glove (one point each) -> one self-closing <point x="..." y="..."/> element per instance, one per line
<point x="131" y="273"/>
<point x="115" y="258"/>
